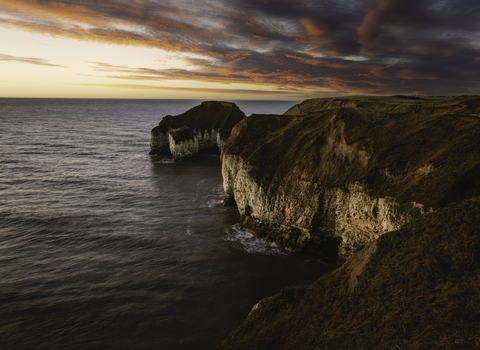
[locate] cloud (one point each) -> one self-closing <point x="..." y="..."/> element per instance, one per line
<point x="359" y="46"/>
<point x="301" y="71"/>
<point x="29" y="60"/>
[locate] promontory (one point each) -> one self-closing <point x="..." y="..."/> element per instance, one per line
<point x="342" y="172"/>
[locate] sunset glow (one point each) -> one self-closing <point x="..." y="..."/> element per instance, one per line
<point x="223" y="49"/>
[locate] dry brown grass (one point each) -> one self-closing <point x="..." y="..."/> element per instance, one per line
<point x="354" y="265"/>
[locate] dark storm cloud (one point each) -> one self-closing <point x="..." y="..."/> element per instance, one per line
<point x="328" y="26"/>
<point x="359" y="46"/>
<point x="421" y="27"/>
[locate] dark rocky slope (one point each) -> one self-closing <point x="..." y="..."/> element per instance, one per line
<point x="345" y="171"/>
<point x="202" y="128"/>
<point x="416" y="288"/>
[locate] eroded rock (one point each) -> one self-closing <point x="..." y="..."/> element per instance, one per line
<point x="183" y="143"/>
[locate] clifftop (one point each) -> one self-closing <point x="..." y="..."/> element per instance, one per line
<point x="390" y="105"/>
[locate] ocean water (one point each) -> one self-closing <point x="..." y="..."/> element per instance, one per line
<point x="105" y="247"/>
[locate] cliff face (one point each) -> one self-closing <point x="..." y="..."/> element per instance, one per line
<point x="183" y="143"/>
<point x="346" y="171"/>
<point x="207" y="127"/>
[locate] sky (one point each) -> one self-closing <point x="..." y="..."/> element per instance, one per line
<point x="238" y="49"/>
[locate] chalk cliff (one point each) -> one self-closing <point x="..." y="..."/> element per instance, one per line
<point x="202" y="128"/>
<point x="183" y="143"/>
<point x="345" y="171"/>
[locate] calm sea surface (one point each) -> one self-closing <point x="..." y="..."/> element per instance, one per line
<point x="105" y="247"/>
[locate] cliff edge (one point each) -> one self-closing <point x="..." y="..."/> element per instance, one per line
<point x="345" y="171"/>
<point x="203" y="128"/>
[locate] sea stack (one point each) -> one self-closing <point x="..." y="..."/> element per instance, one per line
<point x="204" y="128"/>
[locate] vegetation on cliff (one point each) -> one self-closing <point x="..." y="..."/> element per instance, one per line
<point x="349" y="170"/>
<point x="415" y="288"/>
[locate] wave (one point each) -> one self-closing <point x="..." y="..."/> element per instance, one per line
<point x="252" y="244"/>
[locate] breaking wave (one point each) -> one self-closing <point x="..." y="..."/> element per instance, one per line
<point x="252" y="244"/>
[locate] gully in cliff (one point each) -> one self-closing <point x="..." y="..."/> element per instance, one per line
<point x="204" y="128"/>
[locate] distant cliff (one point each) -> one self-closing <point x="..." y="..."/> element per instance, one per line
<point x="203" y="128"/>
<point x="345" y="171"/>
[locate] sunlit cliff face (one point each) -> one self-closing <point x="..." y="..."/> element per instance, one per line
<point x="241" y="49"/>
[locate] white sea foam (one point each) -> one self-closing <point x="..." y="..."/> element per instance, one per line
<point x="211" y="203"/>
<point x="252" y="244"/>
<point x="164" y="161"/>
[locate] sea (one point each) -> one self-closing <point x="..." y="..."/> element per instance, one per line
<point x="103" y="246"/>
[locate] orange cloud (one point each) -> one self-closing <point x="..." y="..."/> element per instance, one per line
<point x="318" y="36"/>
<point x="370" y="31"/>
<point x="100" y="35"/>
<point x="106" y="21"/>
<point x="52" y="10"/>
<point x="312" y="29"/>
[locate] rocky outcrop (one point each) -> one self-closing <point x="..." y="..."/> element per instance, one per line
<point x="345" y="171"/>
<point x="203" y="128"/>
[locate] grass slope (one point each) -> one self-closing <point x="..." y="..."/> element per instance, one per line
<point x="416" y="288"/>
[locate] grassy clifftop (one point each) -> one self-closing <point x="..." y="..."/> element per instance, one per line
<point x="416" y="288"/>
